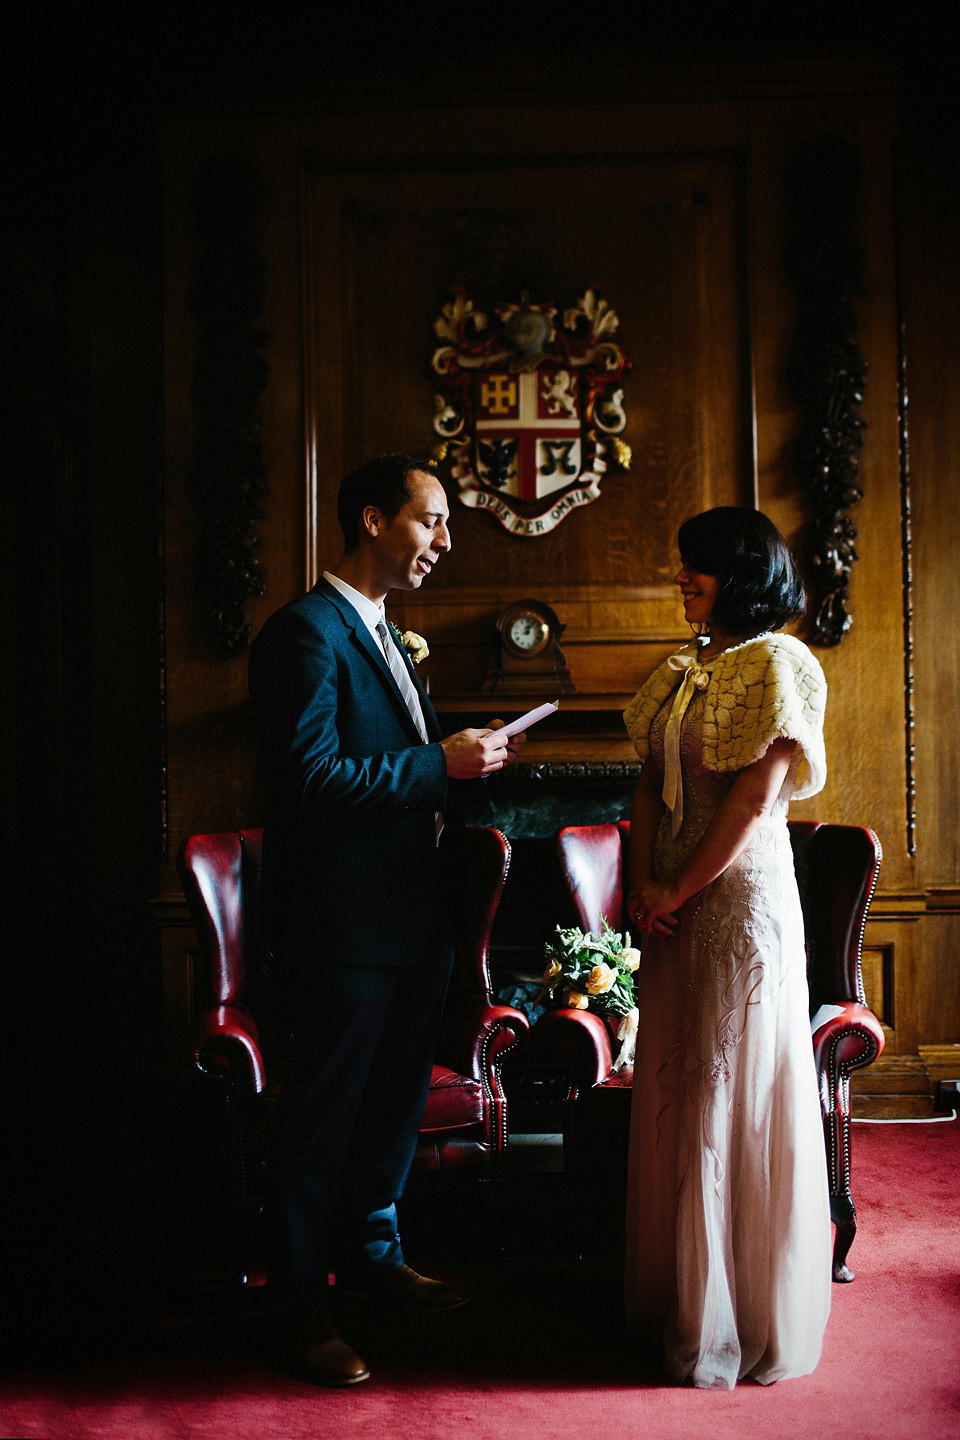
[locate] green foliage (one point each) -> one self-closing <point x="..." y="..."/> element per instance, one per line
<point x="597" y="968"/>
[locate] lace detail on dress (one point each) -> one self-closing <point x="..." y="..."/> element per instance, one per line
<point x="730" y="918"/>
<point x="726" y="963"/>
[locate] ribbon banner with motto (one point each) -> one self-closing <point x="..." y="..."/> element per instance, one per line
<point x="529" y="414"/>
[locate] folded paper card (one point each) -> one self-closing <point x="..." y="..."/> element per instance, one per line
<point x="516" y="727"/>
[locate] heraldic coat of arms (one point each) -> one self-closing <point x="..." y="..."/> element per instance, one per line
<point x="529" y="413"/>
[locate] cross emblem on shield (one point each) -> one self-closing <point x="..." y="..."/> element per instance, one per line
<point x="527" y="432"/>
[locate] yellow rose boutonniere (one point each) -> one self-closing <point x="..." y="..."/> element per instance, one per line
<point x="414" y="644"/>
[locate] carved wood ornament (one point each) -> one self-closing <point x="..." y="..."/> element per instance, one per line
<point x="906" y="518"/>
<point x="229" y="477"/>
<point x="827" y="373"/>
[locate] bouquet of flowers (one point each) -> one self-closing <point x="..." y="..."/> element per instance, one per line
<point x="587" y="971"/>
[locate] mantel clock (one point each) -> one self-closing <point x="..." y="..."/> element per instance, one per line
<point x="529" y="660"/>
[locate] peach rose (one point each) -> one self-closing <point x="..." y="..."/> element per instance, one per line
<point x="601" y="978"/>
<point x="574" y="1000"/>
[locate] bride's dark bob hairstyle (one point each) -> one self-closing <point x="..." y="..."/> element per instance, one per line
<point x="760" y="586"/>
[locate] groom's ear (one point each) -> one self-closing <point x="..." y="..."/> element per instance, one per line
<point x="371" y="520"/>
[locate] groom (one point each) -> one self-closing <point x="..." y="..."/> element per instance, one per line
<point x="360" y="879"/>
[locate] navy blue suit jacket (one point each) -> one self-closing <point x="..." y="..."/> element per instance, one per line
<point x="351" y="870"/>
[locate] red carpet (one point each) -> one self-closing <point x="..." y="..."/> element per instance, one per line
<point x="539" y="1355"/>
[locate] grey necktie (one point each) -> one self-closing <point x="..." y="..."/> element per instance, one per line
<point x="400" y="673"/>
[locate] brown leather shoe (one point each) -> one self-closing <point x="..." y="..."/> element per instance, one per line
<point x="408" y="1290"/>
<point x="318" y="1354"/>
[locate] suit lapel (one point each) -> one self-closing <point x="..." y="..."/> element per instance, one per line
<point x="373" y="652"/>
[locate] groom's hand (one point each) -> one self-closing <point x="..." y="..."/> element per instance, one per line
<point x="473" y="753"/>
<point x="514" y="745"/>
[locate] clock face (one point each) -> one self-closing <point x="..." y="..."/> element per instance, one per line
<point x="527" y="633"/>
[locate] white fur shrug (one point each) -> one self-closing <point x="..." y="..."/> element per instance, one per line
<point x="768" y="687"/>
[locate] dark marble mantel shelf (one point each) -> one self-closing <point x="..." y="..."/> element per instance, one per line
<point x="490" y="703"/>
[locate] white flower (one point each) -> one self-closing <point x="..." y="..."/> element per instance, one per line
<point x="629" y="958"/>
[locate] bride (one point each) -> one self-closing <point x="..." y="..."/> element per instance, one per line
<point x="728" y="1224"/>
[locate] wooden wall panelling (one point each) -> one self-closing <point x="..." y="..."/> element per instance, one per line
<point x="938" y="997"/>
<point x="178" y="948"/>
<point x="942" y="1064"/>
<point x="391" y="222"/>
<point x="897" y="1083"/>
<point x="211" y="751"/>
<point x="661" y="239"/>
<point x="869" y="731"/>
<point x="865" y="729"/>
<point x="927" y="161"/>
<point x="930" y="208"/>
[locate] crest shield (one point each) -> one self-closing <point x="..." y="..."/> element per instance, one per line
<point x="528" y="415"/>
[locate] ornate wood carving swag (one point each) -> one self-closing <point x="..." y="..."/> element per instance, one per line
<point x="552" y="770"/>
<point x="826" y="372"/>
<point x="906" y="516"/>
<point x="229" y="476"/>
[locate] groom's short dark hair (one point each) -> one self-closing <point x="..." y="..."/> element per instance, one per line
<point x="381" y="482"/>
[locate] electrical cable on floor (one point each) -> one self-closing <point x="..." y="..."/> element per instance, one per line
<point x="912" y="1120"/>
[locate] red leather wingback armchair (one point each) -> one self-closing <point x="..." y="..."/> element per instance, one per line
<point x="239" y="1043"/>
<point x="837" y="868"/>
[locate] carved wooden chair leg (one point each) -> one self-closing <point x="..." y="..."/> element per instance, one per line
<point x="245" y="1199"/>
<point x="842" y="1209"/>
<point x="843" y="1213"/>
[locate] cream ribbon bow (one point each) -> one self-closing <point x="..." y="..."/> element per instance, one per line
<point x="696" y="678"/>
